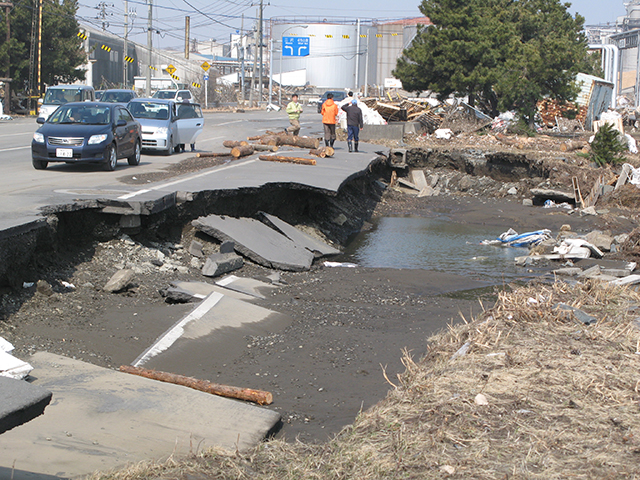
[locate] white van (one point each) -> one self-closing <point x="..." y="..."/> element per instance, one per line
<point x="60" y="94"/>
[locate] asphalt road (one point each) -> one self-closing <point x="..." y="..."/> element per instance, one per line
<point x="23" y="190"/>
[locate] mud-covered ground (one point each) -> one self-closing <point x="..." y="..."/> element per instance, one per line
<point x="349" y="325"/>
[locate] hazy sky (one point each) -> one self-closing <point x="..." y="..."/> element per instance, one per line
<point x="219" y="18"/>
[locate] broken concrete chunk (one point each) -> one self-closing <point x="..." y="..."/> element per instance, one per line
<point x="227" y="247"/>
<point x="628" y="280"/>
<point x="600" y="240"/>
<point x="569" y="271"/>
<point x="195" y="249"/>
<point x="221" y="263"/>
<point x="552" y="194"/>
<point x="418" y="178"/>
<point x="580" y="315"/>
<point x="315" y="245"/>
<point x="256" y="241"/>
<point x="119" y="281"/>
<point x="20" y="402"/>
<point x="591" y="272"/>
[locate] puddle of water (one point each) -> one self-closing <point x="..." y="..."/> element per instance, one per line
<point x="435" y="244"/>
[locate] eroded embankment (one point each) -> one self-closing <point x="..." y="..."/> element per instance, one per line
<point x="27" y="251"/>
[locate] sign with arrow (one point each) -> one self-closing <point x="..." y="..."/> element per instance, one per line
<point x="295" y="46"/>
<point x="171" y="69"/>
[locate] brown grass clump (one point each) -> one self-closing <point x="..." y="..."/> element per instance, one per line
<point x="537" y="395"/>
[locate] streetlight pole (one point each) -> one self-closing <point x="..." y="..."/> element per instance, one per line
<point x="270" y="71"/>
<point x="126" y="46"/>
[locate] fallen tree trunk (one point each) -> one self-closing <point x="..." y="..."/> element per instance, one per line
<point x="302" y="142"/>
<point x="281" y="158"/>
<point x="570" y="146"/>
<point x="269" y="140"/>
<point x="322" y="152"/>
<point x="213" y="154"/>
<point x="258" y="396"/>
<point x="243" y="151"/>
<point x="233" y="143"/>
<point x="254" y="138"/>
<point x="258" y="147"/>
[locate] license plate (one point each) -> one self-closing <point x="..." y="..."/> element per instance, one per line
<point x="64" y="152"/>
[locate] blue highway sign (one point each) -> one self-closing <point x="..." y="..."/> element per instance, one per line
<point x="295" y="46"/>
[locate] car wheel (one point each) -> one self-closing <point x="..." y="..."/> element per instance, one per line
<point x="39" y="164"/>
<point x="169" y="149"/>
<point x="110" y="158"/>
<point x="135" y="158"/>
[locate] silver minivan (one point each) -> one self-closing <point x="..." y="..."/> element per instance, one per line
<point x="167" y="126"/>
<point x="60" y="94"/>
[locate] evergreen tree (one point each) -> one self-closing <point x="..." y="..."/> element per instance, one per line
<point x="509" y="53"/>
<point x="62" y="52"/>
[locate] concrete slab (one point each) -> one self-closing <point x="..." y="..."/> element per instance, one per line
<point x="202" y="289"/>
<point x="248" y="286"/>
<point x="20" y="402"/>
<point x="102" y="419"/>
<point x="219" y="324"/>
<point x="315" y="245"/>
<point x="256" y="241"/>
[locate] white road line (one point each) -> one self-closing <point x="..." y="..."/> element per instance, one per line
<point x="174" y="333"/>
<point x="228" y="123"/>
<point x="16" y="148"/>
<point x="14" y="134"/>
<point x="182" y="180"/>
<point x="209" y="139"/>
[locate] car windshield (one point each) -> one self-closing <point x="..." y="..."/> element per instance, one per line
<point x="153" y="110"/>
<point x="166" y="94"/>
<point x="85" y="114"/>
<point x="60" y="96"/>
<point x="116" y="97"/>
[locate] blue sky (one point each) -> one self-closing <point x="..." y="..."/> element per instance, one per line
<point x="219" y="18"/>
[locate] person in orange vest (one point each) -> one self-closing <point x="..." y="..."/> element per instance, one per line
<point x="329" y="113"/>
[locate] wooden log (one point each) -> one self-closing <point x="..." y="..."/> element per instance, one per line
<point x="254" y="138"/>
<point x="258" y="396"/>
<point x="322" y="152"/>
<point x="213" y="154"/>
<point x="281" y="158"/>
<point x="570" y="146"/>
<point x="269" y="140"/>
<point x="258" y="147"/>
<point x="233" y="143"/>
<point x="243" y="151"/>
<point x="302" y="142"/>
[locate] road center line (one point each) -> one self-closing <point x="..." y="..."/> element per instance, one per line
<point x="228" y="123"/>
<point x="14" y="134"/>
<point x="15" y="148"/>
<point x="182" y="180"/>
<point x="209" y="139"/>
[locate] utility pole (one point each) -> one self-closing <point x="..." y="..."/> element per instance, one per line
<point x="261" y="41"/>
<point x="187" y="25"/>
<point x="126" y="45"/>
<point x="102" y="6"/>
<point x="253" y="74"/>
<point x="357" y="86"/>
<point x="242" y="59"/>
<point x="149" y="47"/>
<point x="39" y="48"/>
<point x="7" y="81"/>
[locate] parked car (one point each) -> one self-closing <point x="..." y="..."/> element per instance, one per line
<point x="338" y="96"/>
<point x="121" y="96"/>
<point x="98" y="94"/>
<point x="167" y="126"/>
<point x="177" y="95"/>
<point x="60" y="94"/>
<point x="87" y="132"/>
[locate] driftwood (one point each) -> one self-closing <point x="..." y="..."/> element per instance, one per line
<point x="570" y="146"/>
<point x="280" y="158"/>
<point x="258" y="396"/>
<point x="258" y="147"/>
<point x="243" y="151"/>
<point x="233" y="143"/>
<point x="213" y="154"/>
<point x="322" y="152"/>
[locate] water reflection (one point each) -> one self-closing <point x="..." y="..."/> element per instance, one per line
<point x="434" y="244"/>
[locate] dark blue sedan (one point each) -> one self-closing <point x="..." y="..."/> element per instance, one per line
<point x="87" y="132"/>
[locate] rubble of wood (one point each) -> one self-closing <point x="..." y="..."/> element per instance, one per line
<point x="555" y="114"/>
<point x="402" y="109"/>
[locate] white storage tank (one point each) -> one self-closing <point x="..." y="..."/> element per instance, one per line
<point x="337" y="51"/>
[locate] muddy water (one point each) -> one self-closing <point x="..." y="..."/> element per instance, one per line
<point x="437" y="245"/>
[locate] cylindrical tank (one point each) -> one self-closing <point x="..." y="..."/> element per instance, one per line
<point x="337" y="52"/>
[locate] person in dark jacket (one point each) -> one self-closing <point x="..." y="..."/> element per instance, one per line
<point x="354" y="123"/>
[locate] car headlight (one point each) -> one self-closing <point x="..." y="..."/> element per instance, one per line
<point x="162" y="131"/>
<point x="38" y="137"/>
<point x="95" y="139"/>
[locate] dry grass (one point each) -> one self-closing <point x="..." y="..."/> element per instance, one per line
<point x="563" y="402"/>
